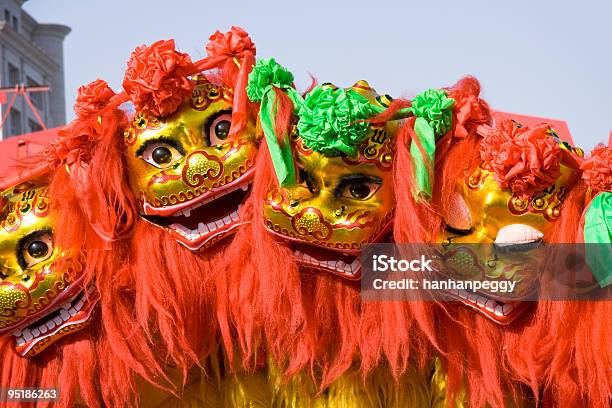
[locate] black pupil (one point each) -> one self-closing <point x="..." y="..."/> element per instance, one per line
<point x="360" y="190"/>
<point x="222" y="129"/>
<point x="38" y="249"/>
<point x="162" y="155"/>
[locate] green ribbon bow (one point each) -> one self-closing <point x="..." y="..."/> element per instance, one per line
<point x="332" y="120"/>
<point x="598" y="229"/>
<point x="434" y="117"/>
<point x="263" y="79"/>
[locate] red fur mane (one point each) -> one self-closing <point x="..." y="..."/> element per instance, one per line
<point x="155" y="304"/>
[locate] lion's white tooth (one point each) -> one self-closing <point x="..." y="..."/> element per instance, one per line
<point x="202" y="228"/>
<point x="490" y="305"/>
<point x="211" y="226"/>
<point x="187" y="212"/>
<point x="58" y="320"/>
<point x="35" y="332"/>
<point x="66" y="305"/>
<point x="481" y="301"/>
<point x="244" y="187"/>
<point x="72" y="311"/>
<point x="27" y="335"/>
<point x="227" y="220"/>
<point x="64" y="314"/>
<point x="184" y="230"/>
<point x="219" y="223"/>
<point x="499" y="310"/>
<point x="16" y="333"/>
<point x="50" y="324"/>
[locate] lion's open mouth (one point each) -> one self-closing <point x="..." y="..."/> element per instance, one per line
<point x="502" y="308"/>
<point x="206" y="221"/>
<point x="338" y="263"/>
<point x="502" y="312"/>
<point x="68" y="317"/>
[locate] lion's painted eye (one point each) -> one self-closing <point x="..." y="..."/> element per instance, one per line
<point x="358" y="187"/>
<point x="219" y="129"/>
<point x="161" y="154"/>
<point x="518" y="237"/>
<point x="36" y="248"/>
<point x="360" y="190"/>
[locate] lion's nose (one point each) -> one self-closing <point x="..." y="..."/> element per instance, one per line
<point x="311" y="222"/>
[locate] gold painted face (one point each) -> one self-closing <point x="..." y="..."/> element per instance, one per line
<point x="40" y="297"/>
<point x="188" y="175"/>
<point x="512" y="229"/>
<point x="340" y="203"/>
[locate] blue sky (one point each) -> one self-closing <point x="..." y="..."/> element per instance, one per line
<point x="541" y="58"/>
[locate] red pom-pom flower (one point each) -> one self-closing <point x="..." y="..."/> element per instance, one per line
<point x="235" y="43"/>
<point x="597" y="169"/>
<point x="157" y="78"/>
<point x="75" y="140"/>
<point x="526" y="160"/>
<point x="91" y="98"/>
<point x="68" y="149"/>
<point x="233" y="53"/>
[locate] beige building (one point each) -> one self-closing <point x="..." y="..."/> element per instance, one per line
<point x="31" y="54"/>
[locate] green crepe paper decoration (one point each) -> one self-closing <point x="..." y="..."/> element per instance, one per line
<point x="435" y="107"/>
<point x="434" y="117"/>
<point x="427" y="137"/>
<point x="332" y="121"/>
<point x="266" y="75"/>
<point x="598" y="229"/>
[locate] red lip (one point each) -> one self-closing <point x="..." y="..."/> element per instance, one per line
<point x="499" y="312"/>
<point x="350" y="270"/>
<point x="39" y="340"/>
<point x="202" y="240"/>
